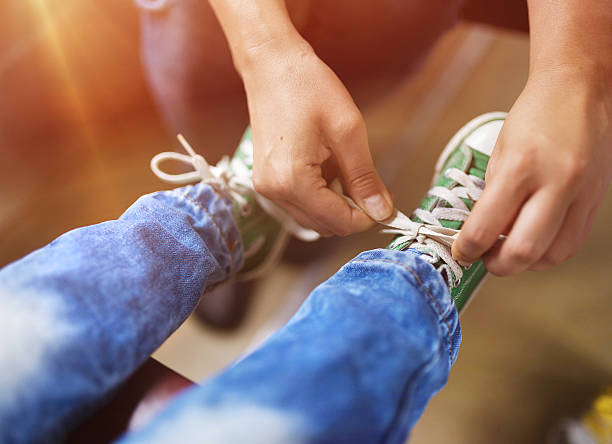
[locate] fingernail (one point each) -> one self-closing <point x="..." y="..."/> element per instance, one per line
<point x="464" y="263"/>
<point x="377" y="207"/>
<point x="460" y="258"/>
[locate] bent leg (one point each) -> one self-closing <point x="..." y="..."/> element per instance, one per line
<point x="81" y="314"/>
<point x="357" y="363"/>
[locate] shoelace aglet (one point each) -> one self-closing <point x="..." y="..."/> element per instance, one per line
<point x="186" y="145"/>
<point x="199" y="162"/>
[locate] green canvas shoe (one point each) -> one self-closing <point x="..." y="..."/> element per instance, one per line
<point x="457" y="184"/>
<point x="264" y="227"/>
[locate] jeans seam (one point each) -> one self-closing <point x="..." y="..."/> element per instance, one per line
<point x="229" y="247"/>
<point x="420" y="283"/>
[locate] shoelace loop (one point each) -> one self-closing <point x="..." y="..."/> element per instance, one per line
<point x="231" y="177"/>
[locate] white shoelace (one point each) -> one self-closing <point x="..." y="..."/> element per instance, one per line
<point x="231" y="177"/>
<point x="431" y="238"/>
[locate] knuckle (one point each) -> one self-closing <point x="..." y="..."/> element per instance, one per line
<point x="348" y="126"/>
<point x="559" y="255"/>
<point x="573" y="170"/>
<point x="475" y="239"/>
<point x="364" y="180"/>
<point x="555" y="257"/>
<point x="526" y="155"/>
<point x="261" y="185"/>
<point x="520" y="170"/>
<point x="498" y="269"/>
<point x="277" y="188"/>
<point x="570" y="253"/>
<point x="284" y="185"/>
<point x="523" y="252"/>
<point x="342" y="231"/>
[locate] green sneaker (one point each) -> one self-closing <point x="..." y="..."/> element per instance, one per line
<point x="264" y="227"/>
<point x="457" y="184"/>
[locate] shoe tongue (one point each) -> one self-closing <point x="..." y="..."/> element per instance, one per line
<point x="483" y="139"/>
<point x="482" y="142"/>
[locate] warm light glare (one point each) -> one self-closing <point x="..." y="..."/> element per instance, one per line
<point x="48" y="15"/>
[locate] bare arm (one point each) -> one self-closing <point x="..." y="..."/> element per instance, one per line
<point x="249" y="25"/>
<point x="553" y="160"/>
<point x="571" y="33"/>
<point x="306" y="128"/>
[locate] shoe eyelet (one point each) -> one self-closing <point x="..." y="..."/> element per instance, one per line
<point x="246" y="210"/>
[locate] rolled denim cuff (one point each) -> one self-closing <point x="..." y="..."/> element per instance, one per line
<point x="429" y="284"/>
<point x="213" y="220"/>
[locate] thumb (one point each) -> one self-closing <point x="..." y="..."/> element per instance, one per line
<point x="361" y="179"/>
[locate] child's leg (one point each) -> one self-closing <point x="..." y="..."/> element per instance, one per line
<point x="357" y="363"/>
<point x="79" y="315"/>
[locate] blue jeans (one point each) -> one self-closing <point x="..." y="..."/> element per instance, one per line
<point x="357" y="363"/>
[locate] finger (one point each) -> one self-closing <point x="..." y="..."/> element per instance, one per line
<point x="330" y="170"/>
<point x="589" y="221"/>
<point x="332" y="212"/>
<point x="312" y="200"/>
<point x="302" y="191"/>
<point x="305" y="220"/>
<point x="571" y="236"/>
<point x="325" y="206"/>
<point x="349" y="144"/>
<point x="532" y="234"/>
<point x="566" y="240"/>
<point x="491" y="215"/>
<point x="492" y="165"/>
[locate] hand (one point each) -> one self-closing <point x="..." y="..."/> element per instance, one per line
<point x="547" y="176"/>
<point x="307" y="131"/>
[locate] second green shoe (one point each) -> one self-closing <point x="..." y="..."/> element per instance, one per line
<point x="264" y="227"/>
<point x="457" y="184"/>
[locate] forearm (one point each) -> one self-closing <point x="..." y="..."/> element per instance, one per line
<point x="250" y="26"/>
<point x="571" y="33"/>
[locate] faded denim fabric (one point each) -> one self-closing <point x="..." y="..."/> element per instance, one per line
<point x="81" y="314"/>
<point x="356" y="364"/>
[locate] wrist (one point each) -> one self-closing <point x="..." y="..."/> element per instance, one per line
<point x="583" y="89"/>
<point x="274" y="55"/>
<point x="256" y="30"/>
<point x="585" y="75"/>
<point x="572" y="63"/>
<point x="275" y="48"/>
<point x="572" y="38"/>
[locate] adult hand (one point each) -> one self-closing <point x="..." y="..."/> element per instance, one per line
<point x="307" y="131"/>
<point x="547" y="176"/>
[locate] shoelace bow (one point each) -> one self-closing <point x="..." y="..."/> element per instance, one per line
<point x="231" y="177"/>
<point x="430" y="237"/>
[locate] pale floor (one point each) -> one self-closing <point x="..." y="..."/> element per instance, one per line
<point x="535" y="347"/>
